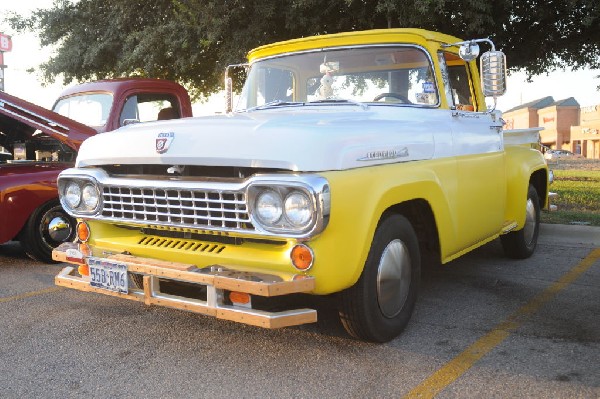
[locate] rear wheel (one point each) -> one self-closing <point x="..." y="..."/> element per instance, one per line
<point x="47" y="227"/>
<point x="378" y="307"/>
<point x="521" y="244"/>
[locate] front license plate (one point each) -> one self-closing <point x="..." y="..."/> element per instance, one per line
<point x="108" y="275"/>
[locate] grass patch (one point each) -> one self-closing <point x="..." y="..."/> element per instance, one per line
<point x="578" y="199"/>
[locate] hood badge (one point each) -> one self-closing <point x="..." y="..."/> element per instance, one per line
<point x="390" y="153"/>
<point x="163" y="142"/>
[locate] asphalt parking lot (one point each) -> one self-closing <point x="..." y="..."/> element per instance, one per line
<point x="484" y="326"/>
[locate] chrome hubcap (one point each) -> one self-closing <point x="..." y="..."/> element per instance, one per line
<point x="530" y="217"/>
<point x="393" y="278"/>
<point x="59" y="229"/>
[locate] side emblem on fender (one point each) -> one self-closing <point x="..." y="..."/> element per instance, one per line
<point x="163" y="142"/>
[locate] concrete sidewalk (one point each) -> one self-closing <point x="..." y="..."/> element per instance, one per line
<point x="566" y="234"/>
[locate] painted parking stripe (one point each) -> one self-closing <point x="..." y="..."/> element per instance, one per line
<point x="456" y="367"/>
<point x="31" y="294"/>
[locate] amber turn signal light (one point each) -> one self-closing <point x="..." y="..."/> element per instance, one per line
<point x="84" y="270"/>
<point x="302" y="257"/>
<point x="83" y="231"/>
<point x="239" y="298"/>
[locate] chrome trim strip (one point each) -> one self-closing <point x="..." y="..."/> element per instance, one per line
<point x="50" y="123"/>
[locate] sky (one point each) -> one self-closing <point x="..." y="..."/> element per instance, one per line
<point x="27" y="53"/>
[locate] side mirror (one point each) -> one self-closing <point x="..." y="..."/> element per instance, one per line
<point x="493" y="65"/>
<point x="493" y="73"/>
<point x="229" y="86"/>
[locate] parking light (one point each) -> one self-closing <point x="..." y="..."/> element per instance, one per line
<point x="83" y="231"/>
<point x="239" y="298"/>
<point x="302" y="257"/>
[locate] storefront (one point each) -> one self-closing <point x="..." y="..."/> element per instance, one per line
<point x="585" y="138"/>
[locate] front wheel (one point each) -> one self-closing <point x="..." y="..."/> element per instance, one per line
<point x="47" y="227"/>
<point x="378" y="307"/>
<point x="521" y="244"/>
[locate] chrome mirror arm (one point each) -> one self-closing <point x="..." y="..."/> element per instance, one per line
<point x="229" y="86"/>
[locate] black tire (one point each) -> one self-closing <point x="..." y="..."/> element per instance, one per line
<point x="47" y="227"/>
<point x="521" y="244"/>
<point x="377" y="308"/>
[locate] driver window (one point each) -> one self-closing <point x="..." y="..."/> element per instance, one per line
<point x="460" y="83"/>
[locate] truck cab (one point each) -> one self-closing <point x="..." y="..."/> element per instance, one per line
<point x="107" y="105"/>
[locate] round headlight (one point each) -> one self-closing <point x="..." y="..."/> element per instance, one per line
<point x="90" y="197"/>
<point x="298" y="209"/>
<point x="73" y="195"/>
<point x="269" y="207"/>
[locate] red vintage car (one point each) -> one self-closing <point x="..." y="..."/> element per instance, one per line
<point x="37" y="144"/>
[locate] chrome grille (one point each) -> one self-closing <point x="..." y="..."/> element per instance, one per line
<point x="198" y="208"/>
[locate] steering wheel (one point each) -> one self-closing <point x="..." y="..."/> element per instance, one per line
<point x="397" y="96"/>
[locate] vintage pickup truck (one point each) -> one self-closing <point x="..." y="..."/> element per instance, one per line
<point x="39" y="143"/>
<point x="351" y="160"/>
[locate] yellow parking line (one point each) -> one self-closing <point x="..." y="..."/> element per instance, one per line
<point x="456" y="367"/>
<point x="30" y="294"/>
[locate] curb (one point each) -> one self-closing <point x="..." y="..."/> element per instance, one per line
<point x="565" y="234"/>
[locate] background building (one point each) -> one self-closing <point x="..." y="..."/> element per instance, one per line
<point x="586" y="136"/>
<point x="566" y="125"/>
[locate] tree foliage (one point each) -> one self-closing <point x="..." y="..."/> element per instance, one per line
<point x="191" y="41"/>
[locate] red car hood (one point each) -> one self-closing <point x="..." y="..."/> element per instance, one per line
<point x="31" y="168"/>
<point x="18" y="116"/>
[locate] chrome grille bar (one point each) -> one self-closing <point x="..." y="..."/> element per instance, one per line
<point x="196" y="208"/>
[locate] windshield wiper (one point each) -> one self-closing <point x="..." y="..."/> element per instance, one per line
<point x="275" y="103"/>
<point x="340" y="100"/>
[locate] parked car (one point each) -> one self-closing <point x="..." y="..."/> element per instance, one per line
<point x="553" y="155"/>
<point x="41" y="144"/>
<point x="38" y="143"/>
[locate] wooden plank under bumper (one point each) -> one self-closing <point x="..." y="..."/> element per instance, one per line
<point x="216" y="278"/>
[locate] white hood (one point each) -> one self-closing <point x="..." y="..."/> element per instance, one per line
<point x="308" y="139"/>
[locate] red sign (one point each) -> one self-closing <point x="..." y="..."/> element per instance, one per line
<point x="5" y="42"/>
<point x="548" y="119"/>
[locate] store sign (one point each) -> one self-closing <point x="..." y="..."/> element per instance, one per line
<point x="548" y="119"/>
<point x="5" y="42"/>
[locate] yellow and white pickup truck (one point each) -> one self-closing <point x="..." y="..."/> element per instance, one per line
<point x="350" y="160"/>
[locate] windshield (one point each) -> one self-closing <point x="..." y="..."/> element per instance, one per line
<point x="90" y="109"/>
<point x="399" y="75"/>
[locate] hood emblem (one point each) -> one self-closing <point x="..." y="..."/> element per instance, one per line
<point x="163" y="142"/>
<point x="390" y="153"/>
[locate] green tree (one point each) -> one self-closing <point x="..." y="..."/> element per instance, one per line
<point x="193" y="40"/>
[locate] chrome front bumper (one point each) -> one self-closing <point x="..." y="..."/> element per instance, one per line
<point x="217" y="279"/>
